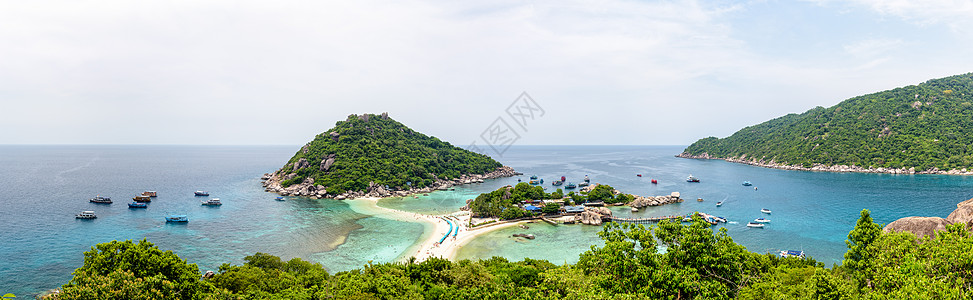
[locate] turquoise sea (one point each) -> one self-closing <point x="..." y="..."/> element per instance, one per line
<point x="42" y="187"/>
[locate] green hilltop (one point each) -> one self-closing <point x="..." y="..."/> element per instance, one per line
<point x="369" y="148"/>
<point x="928" y="127"/>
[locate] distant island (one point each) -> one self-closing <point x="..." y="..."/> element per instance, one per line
<point x="925" y="128"/>
<point x="375" y="156"/>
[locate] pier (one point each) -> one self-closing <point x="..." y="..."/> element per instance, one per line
<point x="645" y="220"/>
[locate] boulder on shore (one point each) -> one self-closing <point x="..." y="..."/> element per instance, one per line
<point x="920" y="226"/>
<point x="963" y="214"/>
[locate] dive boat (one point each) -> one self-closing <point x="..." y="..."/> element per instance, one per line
<point x="88" y="214"/>
<point x="692" y="178"/>
<point x="279" y="198"/>
<point x="533" y="177"/>
<point x="100" y="199"/>
<point x="755" y="225"/>
<point x="201" y="193"/>
<point x="583" y="183"/>
<point x="655" y="181"/>
<point x="570" y="186"/>
<point x="557" y="183"/>
<point x="761" y="220"/>
<point x="764" y="210"/>
<point x="138" y="205"/>
<point x="142" y="199"/>
<point x="177" y="218"/>
<point x="213" y="202"/>
<point x="718" y="204"/>
<point x="150" y="193"/>
<point x="747" y="183"/>
<point x="792" y="253"/>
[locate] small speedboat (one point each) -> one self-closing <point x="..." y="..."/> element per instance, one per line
<point x="138" y="205"/>
<point x="747" y="183"/>
<point x="201" y="193"/>
<point x="720" y="219"/>
<point x="718" y="204"/>
<point x="88" y="214"/>
<point x="755" y="225"/>
<point x="570" y="186"/>
<point x="213" y="202"/>
<point x="655" y="181"/>
<point x="761" y="220"/>
<point x="764" y="210"/>
<point x="533" y="177"/>
<point x="279" y="198"/>
<point x="692" y="178"/>
<point x="533" y="182"/>
<point x="100" y="199"/>
<point x="177" y="218"/>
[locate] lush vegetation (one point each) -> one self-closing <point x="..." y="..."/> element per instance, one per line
<point x="502" y="202"/>
<point x="699" y="263"/>
<point x="374" y="148"/>
<point x="923" y="126"/>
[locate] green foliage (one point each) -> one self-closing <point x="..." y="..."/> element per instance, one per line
<point x="551" y="208"/>
<point x="383" y="151"/>
<point x="501" y="202"/>
<point x="602" y="192"/>
<point x="918" y="126"/>
<point x="858" y="256"/>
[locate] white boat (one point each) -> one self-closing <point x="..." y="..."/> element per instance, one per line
<point x="718" y="204"/>
<point x="792" y="253"/>
<point x="213" y="202"/>
<point x="762" y="220"/>
<point x="719" y="219"/>
<point x="764" y="210"/>
<point x="88" y="214"/>
<point x="755" y="225"/>
<point x="692" y="178"/>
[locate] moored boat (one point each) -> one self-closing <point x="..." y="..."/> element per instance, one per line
<point x="88" y="214"/>
<point x="586" y="178"/>
<point x="150" y="193"/>
<point x="557" y="183"/>
<point x="764" y="210"/>
<point x="755" y="225"/>
<point x="279" y="198"/>
<point x="638" y="175"/>
<point x="138" y="205"/>
<point x="533" y="177"/>
<point x="100" y="199"/>
<point x="692" y="178"/>
<point x="533" y="182"/>
<point x="792" y="253"/>
<point x="747" y="183"/>
<point x="201" y="193"/>
<point x="570" y="186"/>
<point x="584" y="183"/>
<point x="213" y="202"/>
<point x="655" y="181"/>
<point x="177" y="218"/>
<point x="761" y="220"/>
<point x="142" y="199"/>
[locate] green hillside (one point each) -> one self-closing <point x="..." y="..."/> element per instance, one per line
<point x="374" y="148"/>
<point x="925" y="126"/>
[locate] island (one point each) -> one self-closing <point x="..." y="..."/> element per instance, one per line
<point x="917" y="129"/>
<point x="372" y="155"/>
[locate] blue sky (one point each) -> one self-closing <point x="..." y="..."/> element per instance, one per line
<point x="605" y="72"/>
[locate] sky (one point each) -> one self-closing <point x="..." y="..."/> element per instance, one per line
<point x="601" y="72"/>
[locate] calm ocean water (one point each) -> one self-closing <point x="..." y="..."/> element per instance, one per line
<point x="42" y="187"/>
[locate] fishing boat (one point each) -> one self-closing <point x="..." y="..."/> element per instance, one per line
<point x="761" y="220"/>
<point x="150" y="193"/>
<point x="718" y="204"/>
<point x="764" y="210"/>
<point x="692" y="178"/>
<point x="583" y="183"/>
<point x="755" y="225"/>
<point x="201" y="193"/>
<point x="557" y="183"/>
<point x="655" y="181"/>
<point x="213" y="202"/>
<point x="792" y="253"/>
<point x="88" y="214"/>
<point x="586" y="178"/>
<point x="177" y="218"/>
<point x="563" y="178"/>
<point x="138" y="205"/>
<point x="142" y="199"/>
<point x="279" y="198"/>
<point x="100" y="199"/>
<point x="533" y="177"/>
<point x="533" y="182"/>
<point x="570" y="186"/>
<point x="747" y="183"/>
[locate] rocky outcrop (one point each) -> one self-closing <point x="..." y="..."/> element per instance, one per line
<point x="920" y="226"/>
<point x="307" y="188"/>
<point x="927" y="226"/>
<point x="300" y="164"/>
<point x="327" y="162"/>
<point x="825" y="168"/>
<point x="594" y="216"/>
<point x="640" y="202"/>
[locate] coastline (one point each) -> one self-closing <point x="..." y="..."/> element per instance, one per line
<point x="272" y="183"/>
<point x="825" y="168"/>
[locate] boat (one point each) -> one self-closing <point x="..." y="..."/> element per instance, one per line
<point x="570" y="186"/>
<point x="639" y="175"/>
<point x="755" y="225"/>
<point x="142" y="199"/>
<point x="88" y="214"/>
<point x="764" y="210"/>
<point x="718" y="204"/>
<point x="747" y="183"/>
<point x="586" y="178"/>
<point x="534" y="177"/>
<point x="279" y="198"/>
<point x="761" y="220"/>
<point x="792" y="253"/>
<point x="150" y="193"/>
<point x="533" y="182"/>
<point x="584" y="183"/>
<point x="655" y="181"/>
<point x="100" y="199"/>
<point x="201" y="193"/>
<point x="720" y="219"/>
<point x="138" y="205"/>
<point x="213" y="202"/>
<point x="563" y="179"/>
<point x="557" y="183"/>
<point x="177" y="218"/>
<point x="692" y="178"/>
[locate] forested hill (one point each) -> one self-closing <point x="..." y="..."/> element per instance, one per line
<point x="928" y="126"/>
<point x="375" y="149"/>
